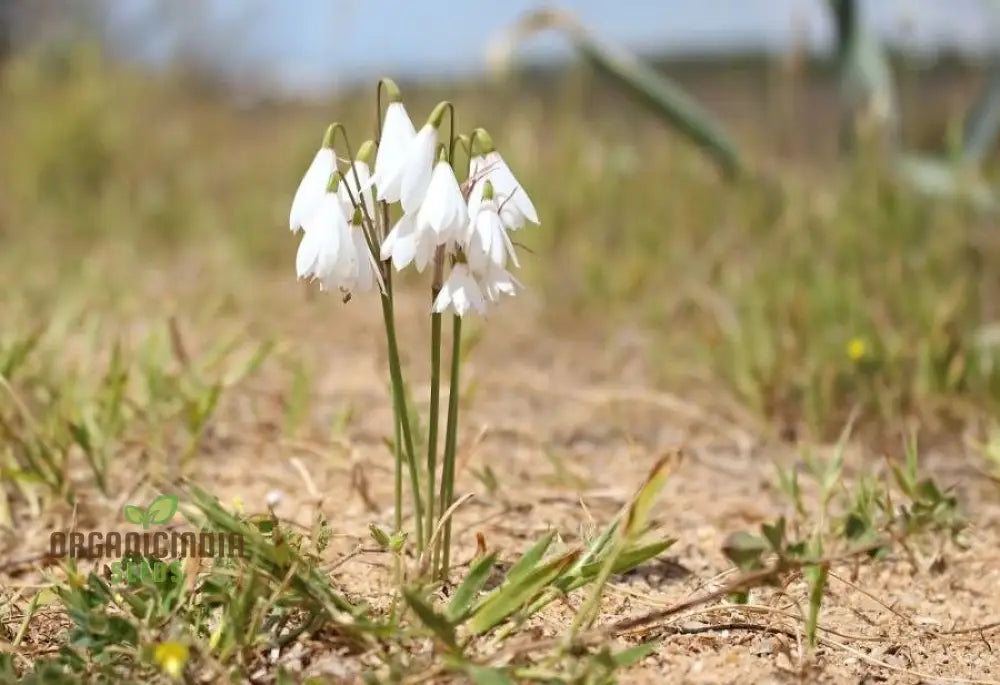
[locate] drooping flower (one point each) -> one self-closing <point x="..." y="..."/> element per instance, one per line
<point x="496" y="281"/>
<point x="460" y="293"/>
<point x="313" y="185"/>
<point x="324" y="253"/>
<point x="405" y="244"/>
<point x="394" y="145"/>
<point x="417" y="169"/>
<point x="362" y="272"/>
<point x="487" y="241"/>
<point x="406" y="173"/>
<point x="443" y="210"/>
<point x="357" y="182"/>
<point x="487" y="164"/>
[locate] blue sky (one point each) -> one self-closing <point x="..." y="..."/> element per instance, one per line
<point x="309" y="46"/>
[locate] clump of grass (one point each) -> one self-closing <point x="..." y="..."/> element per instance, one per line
<point x="64" y="420"/>
<point x="868" y="518"/>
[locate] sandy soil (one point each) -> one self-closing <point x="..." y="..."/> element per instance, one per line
<point x="570" y="423"/>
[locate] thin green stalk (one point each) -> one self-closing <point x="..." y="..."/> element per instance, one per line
<point x="432" y="428"/>
<point x="398" y="485"/>
<point x="450" y="440"/>
<point x="403" y="417"/>
<point x="433" y="420"/>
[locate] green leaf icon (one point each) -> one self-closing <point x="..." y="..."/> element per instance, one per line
<point x="161" y="510"/>
<point x="134" y="514"/>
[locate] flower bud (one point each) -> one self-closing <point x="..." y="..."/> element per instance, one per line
<point x="366" y="153"/>
<point x="391" y="90"/>
<point x="437" y="114"/>
<point x="328" y="136"/>
<point x="482" y="142"/>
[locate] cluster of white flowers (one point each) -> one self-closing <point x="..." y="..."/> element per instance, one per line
<point x="465" y="225"/>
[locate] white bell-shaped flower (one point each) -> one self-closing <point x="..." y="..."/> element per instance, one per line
<point x="362" y="271"/>
<point x="460" y="293"/>
<point x="393" y="147"/>
<point x="416" y="171"/>
<point x="405" y="244"/>
<point x="312" y="188"/>
<point x="496" y="281"/>
<point x="443" y="210"/>
<point x="515" y="205"/>
<point x="486" y="239"/>
<point x="325" y="251"/>
<point x="406" y="172"/>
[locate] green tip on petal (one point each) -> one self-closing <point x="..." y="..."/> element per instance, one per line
<point x="437" y="114"/>
<point x="442" y="153"/>
<point x="366" y="153"/>
<point x="391" y="90"/>
<point x="356" y="217"/>
<point x="333" y="183"/>
<point x="328" y="136"/>
<point x="482" y="142"/>
<point x="487" y="191"/>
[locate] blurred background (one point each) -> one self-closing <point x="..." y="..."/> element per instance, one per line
<point x="793" y="205"/>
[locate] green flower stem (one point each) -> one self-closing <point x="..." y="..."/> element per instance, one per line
<point x="403" y="418"/>
<point x="432" y="428"/>
<point x="397" y="451"/>
<point x="450" y="440"/>
<point x="433" y="420"/>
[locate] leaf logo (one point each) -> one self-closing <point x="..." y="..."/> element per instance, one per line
<point x="159" y="511"/>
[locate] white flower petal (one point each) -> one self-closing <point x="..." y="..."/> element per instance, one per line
<point x="443" y="299"/>
<point x="476" y="196"/>
<point x="497" y="281"/>
<point x="509" y="246"/>
<point x="311" y="188"/>
<point x="460" y="292"/>
<point x="511" y="215"/>
<point x="400" y="245"/>
<point x="425" y="245"/>
<point x="505" y="183"/>
<point x="307" y="255"/>
<point x="443" y="210"/>
<point x="393" y="148"/>
<point x="417" y="169"/>
<point x="329" y="227"/>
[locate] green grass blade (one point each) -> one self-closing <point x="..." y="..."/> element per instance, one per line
<point x="435" y="622"/>
<point x="529" y="560"/>
<point x="638" y="512"/>
<point x="510" y="597"/>
<point x="625" y="562"/>
<point x="660" y="94"/>
<point x="466" y="593"/>
<point x="598" y="544"/>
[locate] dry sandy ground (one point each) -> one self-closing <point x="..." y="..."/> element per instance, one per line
<point x="570" y="423"/>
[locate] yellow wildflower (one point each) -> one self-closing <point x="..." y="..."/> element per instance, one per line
<point x="857" y="349"/>
<point x="171" y="657"/>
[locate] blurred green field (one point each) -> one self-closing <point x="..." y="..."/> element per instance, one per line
<point x="816" y="288"/>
